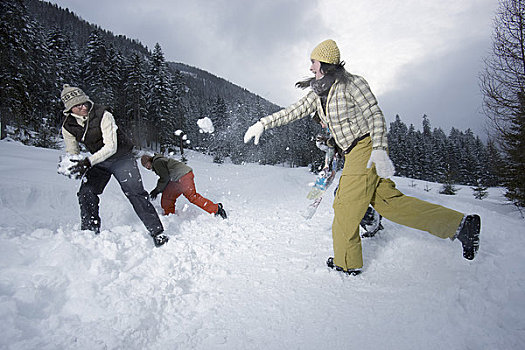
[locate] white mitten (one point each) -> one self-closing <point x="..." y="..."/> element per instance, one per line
<point x="384" y="166"/>
<point x="254" y="131"/>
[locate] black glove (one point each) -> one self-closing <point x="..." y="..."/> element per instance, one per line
<point x="153" y="194"/>
<point x="78" y="170"/>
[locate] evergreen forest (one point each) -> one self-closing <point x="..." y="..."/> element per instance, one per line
<point x="159" y="102"/>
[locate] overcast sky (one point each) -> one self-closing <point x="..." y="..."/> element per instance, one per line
<point x="419" y="56"/>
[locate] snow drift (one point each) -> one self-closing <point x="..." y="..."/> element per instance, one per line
<point x="257" y="280"/>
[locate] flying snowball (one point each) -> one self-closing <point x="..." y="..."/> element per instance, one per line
<point x="205" y="124"/>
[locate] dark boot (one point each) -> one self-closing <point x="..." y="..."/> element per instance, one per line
<point x="90" y="227"/>
<point x="220" y="211"/>
<point x="159" y="239"/>
<point x="371" y="223"/>
<point x="469" y="236"/>
<point x="351" y="272"/>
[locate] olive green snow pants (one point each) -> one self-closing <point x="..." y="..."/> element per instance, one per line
<point x="359" y="187"/>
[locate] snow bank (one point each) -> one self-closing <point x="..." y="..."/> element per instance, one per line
<point x="255" y="281"/>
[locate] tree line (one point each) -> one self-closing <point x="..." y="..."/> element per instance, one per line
<point x="503" y="86"/>
<point x="431" y="155"/>
<point x="159" y="103"/>
<point x="37" y="61"/>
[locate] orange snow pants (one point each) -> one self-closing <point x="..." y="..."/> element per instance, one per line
<point x="186" y="186"/>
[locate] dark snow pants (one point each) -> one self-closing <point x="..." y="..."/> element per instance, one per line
<point x="126" y="172"/>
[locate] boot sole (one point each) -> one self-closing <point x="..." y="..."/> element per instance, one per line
<point x="330" y="264"/>
<point x="470" y="252"/>
<point x="161" y="243"/>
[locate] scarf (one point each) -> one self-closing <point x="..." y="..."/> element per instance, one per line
<point x="322" y="86"/>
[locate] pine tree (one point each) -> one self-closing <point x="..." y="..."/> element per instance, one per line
<point x="453" y="156"/>
<point x="300" y="150"/>
<point x="503" y="88"/>
<point x="65" y="68"/>
<point x="481" y="172"/>
<point x="493" y="165"/>
<point x="159" y="102"/>
<point x="448" y="187"/>
<point x="428" y="157"/>
<point x="411" y="152"/>
<point x="178" y="90"/>
<point x="440" y="145"/>
<point x="114" y="80"/>
<point x="514" y="162"/>
<point x="135" y="99"/>
<point x="42" y="89"/>
<point x="240" y="151"/>
<point x="397" y="145"/>
<point x="469" y="166"/>
<point x="95" y="70"/>
<point x="219" y="140"/>
<point x="15" y="63"/>
<point x="480" y="191"/>
<point x="46" y="136"/>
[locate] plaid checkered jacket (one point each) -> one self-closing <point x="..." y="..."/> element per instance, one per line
<point x="351" y="112"/>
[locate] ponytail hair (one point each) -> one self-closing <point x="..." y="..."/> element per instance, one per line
<point x="336" y="70"/>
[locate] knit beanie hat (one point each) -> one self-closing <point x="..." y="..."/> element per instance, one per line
<point x="72" y="96"/>
<point x="326" y="52"/>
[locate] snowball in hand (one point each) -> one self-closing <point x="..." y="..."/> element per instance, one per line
<point x="66" y="162"/>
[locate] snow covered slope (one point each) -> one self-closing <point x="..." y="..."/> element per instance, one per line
<point x="257" y="280"/>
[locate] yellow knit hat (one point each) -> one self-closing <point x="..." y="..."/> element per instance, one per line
<point x="327" y="52"/>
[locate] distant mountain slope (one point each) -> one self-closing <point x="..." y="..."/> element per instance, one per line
<point x="216" y="86"/>
<point x="196" y="94"/>
<point x="51" y="16"/>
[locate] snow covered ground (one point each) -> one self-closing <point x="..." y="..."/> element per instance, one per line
<point x="257" y="280"/>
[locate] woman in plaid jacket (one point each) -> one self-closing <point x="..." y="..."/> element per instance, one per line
<point x="347" y="106"/>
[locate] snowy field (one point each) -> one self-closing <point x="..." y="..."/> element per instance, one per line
<point x="257" y="280"/>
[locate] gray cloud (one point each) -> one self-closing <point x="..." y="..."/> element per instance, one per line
<point x="445" y="88"/>
<point x="264" y="46"/>
<point x="250" y="43"/>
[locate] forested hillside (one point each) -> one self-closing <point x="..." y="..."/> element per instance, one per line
<point x="159" y="102"/>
